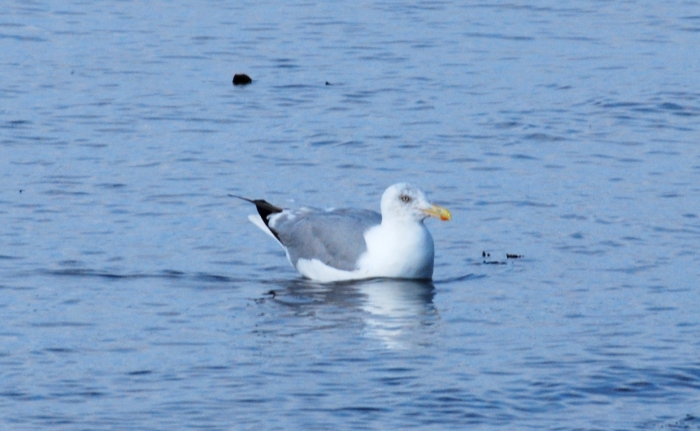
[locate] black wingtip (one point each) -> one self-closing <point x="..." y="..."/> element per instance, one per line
<point x="240" y="197"/>
<point x="261" y="204"/>
<point x="264" y="208"/>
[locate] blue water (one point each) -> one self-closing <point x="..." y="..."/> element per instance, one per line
<point x="135" y="294"/>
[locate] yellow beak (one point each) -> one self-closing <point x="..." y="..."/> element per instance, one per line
<point x="438" y="212"/>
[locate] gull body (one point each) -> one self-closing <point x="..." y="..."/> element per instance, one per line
<point x="352" y="244"/>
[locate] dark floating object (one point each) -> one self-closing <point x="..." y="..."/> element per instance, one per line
<point x="20" y="190"/>
<point x="272" y="294"/>
<point x="328" y="83"/>
<point x="241" y="79"/>
<point x="499" y="262"/>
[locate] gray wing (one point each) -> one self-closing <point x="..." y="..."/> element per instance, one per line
<point x="335" y="237"/>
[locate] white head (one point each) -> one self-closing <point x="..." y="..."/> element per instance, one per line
<point x="403" y="201"/>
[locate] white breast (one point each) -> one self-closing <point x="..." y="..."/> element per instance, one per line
<point x="403" y="250"/>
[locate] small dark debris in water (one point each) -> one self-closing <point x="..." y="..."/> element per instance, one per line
<point x="328" y="83"/>
<point x="241" y="79"/>
<point x="484" y="254"/>
<point x="20" y="190"/>
<point x="514" y="256"/>
<point x="272" y="294"/>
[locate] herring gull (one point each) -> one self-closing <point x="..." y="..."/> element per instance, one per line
<point x="352" y="244"/>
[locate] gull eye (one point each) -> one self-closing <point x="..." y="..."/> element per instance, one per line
<point x="405" y="198"/>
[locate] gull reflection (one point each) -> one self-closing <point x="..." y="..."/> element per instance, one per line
<point x="399" y="313"/>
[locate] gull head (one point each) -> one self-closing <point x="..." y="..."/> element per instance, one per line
<point x="404" y="201"/>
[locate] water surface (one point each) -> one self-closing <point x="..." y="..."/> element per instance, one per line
<point x="136" y="295"/>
